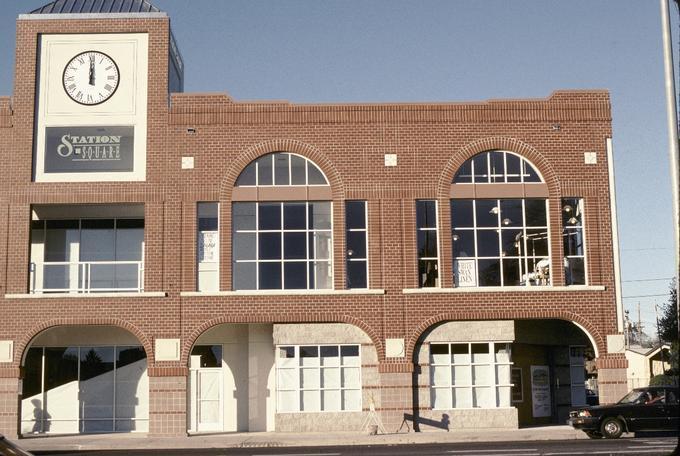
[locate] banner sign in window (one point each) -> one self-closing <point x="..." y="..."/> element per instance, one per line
<point x="465" y="272"/>
<point x="540" y="391"/>
<point x="208" y="246"/>
<point x="89" y="149"/>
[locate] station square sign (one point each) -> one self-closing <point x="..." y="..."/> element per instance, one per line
<point x="89" y="149"/>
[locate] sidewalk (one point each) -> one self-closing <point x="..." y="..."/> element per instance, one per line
<point x="281" y="439"/>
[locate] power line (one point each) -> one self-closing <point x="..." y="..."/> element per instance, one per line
<point x="645" y="296"/>
<point x="648" y="280"/>
<point x="647" y="248"/>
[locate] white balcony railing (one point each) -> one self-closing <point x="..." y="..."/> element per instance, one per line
<point x="87" y="277"/>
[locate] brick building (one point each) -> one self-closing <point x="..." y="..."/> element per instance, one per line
<point x="174" y="262"/>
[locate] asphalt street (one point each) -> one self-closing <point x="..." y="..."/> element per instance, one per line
<point x="626" y="446"/>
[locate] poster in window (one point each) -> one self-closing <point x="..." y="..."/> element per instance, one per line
<point x="466" y="273"/>
<point x="517" y="385"/>
<point x="208" y="246"/>
<point x="540" y="391"/>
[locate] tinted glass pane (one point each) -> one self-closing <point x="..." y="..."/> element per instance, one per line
<point x="463" y="243"/>
<point x="244" y="246"/>
<point x="309" y="352"/>
<point x="281" y="176"/>
<point x="294" y="216"/>
<point x="530" y="174"/>
<point x="295" y="275"/>
<point x="487" y="243"/>
<point x="320" y="215"/>
<point x="244" y="275"/>
<point x="269" y="216"/>
<point x="349" y="350"/>
<point x="211" y="355"/>
<point x="464" y="173"/>
<point x="61" y="366"/>
<point x="32" y="383"/>
<point x="356" y="244"/>
<point x="247" y="176"/>
<point x="269" y="246"/>
<point x="537" y="242"/>
<point x="489" y="273"/>
<point x="207" y="224"/>
<point x="314" y="175"/>
<point x="355" y="214"/>
<point x="512" y="241"/>
<point x="129" y="240"/>
<point x="573" y="242"/>
<point x="129" y="355"/>
<point x="439" y="349"/>
<point x="511" y="272"/>
<point x="426" y="214"/>
<point x="59" y="236"/>
<point x="497" y="166"/>
<point x="243" y="217"/>
<point x="462" y="214"/>
<point x="95" y="362"/>
<point x="487" y="213"/>
<point x="270" y="276"/>
<point x="511" y="212"/>
<point x="297" y="170"/>
<point x="575" y="272"/>
<point x="427" y="244"/>
<point x="97" y="240"/>
<point x="535" y="212"/>
<point x="571" y="212"/>
<point x="428" y="273"/>
<point x="512" y="164"/>
<point x="294" y="246"/>
<point x="264" y="171"/>
<point x="480" y="167"/>
<point x="356" y="274"/>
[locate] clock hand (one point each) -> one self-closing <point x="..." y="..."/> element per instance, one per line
<point x="91" y="70"/>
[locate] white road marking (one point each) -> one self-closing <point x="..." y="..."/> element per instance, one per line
<point x="636" y="451"/>
<point x="300" y="454"/>
<point x="502" y="451"/>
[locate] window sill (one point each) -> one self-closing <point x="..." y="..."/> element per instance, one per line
<point x="356" y="291"/>
<point x="144" y="294"/>
<point x="536" y="288"/>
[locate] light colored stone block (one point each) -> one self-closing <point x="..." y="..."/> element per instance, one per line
<point x="390" y="159"/>
<point x="394" y="348"/>
<point x="473" y="331"/>
<point x="187" y="162"/>
<point x="319" y="333"/>
<point x="6" y="351"/>
<point x="590" y="158"/>
<point x="616" y="343"/>
<point x="167" y="349"/>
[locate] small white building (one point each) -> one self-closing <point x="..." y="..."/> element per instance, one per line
<point x="644" y="363"/>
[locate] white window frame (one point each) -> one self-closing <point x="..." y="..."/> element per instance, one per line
<point x="297" y="368"/>
<point x="581" y="203"/>
<point x="358" y="230"/>
<point x="438" y="283"/>
<point x="272" y="155"/>
<point x="215" y="263"/>
<point x="523" y="164"/>
<point x="492" y="364"/>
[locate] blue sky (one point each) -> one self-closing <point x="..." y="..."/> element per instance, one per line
<point x="310" y="51"/>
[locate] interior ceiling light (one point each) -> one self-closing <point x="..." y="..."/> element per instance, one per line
<point x="507" y="221"/>
<point x="573" y="221"/>
<point x="494" y="210"/>
<point x="567" y="208"/>
<point x="455" y="237"/>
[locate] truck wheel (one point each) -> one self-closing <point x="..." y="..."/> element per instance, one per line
<point x="611" y="428"/>
<point x="594" y="434"/>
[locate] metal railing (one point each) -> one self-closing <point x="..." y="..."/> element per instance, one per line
<point x="87" y="277"/>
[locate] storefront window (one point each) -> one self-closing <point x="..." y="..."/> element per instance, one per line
<point x="573" y="241"/>
<point x="470" y="375"/>
<point x="314" y="378"/>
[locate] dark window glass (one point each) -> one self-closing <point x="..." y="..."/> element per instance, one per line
<point x="129" y="355"/>
<point x="478" y="349"/>
<point x="512" y="241"/>
<point x="270" y="246"/>
<point x="462" y="214"/>
<point x="294" y="216"/>
<point x="269" y="216"/>
<point x="575" y="271"/>
<point x="426" y="214"/>
<point x="61" y="366"/>
<point x="463" y="243"/>
<point x="355" y="214"/>
<point x="537" y="242"/>
<point x="320" y="215"/>
<point x="264" y="171"/>
<point x="59" y="235"/>
<point x="294" y="246"/>
<point x="571" y="212"/>
<point x="489" y="273"/>
<point x="511" y="212"/>
<point x="211" y="355"/>
<point x="573" y="242"/>
<point x="309" y="351"/>
<point x="487" y="243"/>
<point x="287" y="352"/>
<point x="356" y="274"/>
<point x="535" y="212"/>
<point x="130" y="224"/>
<point x="314" y="175"/>
<point x="247" y="176"/>
<point x="480" y="167"/>
<point x="428" y="273"/>
<point x="427" y="244"/>
<point x="244" y="275"/>
<point x="270" y="276"/>
<point x="295" y="275"/>
<point x="97" y="240"/>
<point x="297" y="170"/>
<point x="487" y="213"/>
<point x="356" y="244"/>
<point x="512" y="163"/>
<point x="530" y="174"/>
<point x="439" y="349"/>
<point x="95" y="362"/>
<point x="349" y="350"/>
<point x="281" y="176"/>
<point x="497" y="166"/>
<point x="32" y="383"/>
<point x="464" y="174"/>
<point x="459" y="349"/>
<point x="243" y="216"/>
<point x="511" y="272"/>
<point x="244" y="246"/>
<point x="329" y="351"/>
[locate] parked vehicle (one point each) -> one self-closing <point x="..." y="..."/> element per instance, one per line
<point x="654" y="408"/>
<point x="8" y="448"/>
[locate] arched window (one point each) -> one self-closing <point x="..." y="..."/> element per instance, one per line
<point x="500" y="233"/>
<point x="282" y="235"/>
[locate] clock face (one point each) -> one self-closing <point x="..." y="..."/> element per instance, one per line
<point x="91" y="78"/>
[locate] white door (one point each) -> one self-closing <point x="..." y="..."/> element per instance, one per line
<point x="208" y="400"/>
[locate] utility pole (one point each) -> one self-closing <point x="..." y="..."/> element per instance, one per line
<point x="639" y="326"/>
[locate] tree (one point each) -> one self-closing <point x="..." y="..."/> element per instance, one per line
<point x="669" y="320"/>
